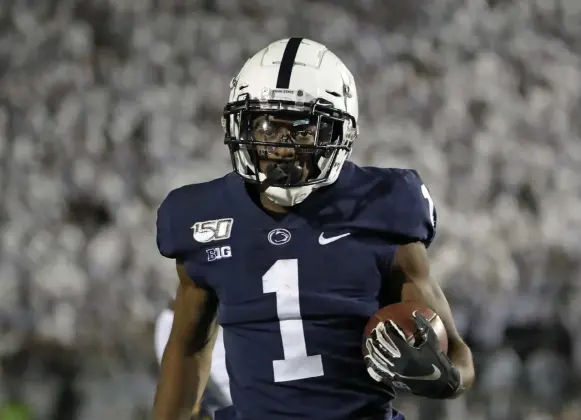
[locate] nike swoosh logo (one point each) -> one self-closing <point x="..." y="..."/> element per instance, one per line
<point x="325" y="241"/>
<point x="434" y="376"/>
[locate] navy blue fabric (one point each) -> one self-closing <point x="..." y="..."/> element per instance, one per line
<point x="340" y="284"/>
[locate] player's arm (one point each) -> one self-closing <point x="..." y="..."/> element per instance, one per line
<point x="185" y="366"/>
<point x="411" y="263"/>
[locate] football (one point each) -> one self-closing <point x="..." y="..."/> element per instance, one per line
<point x="402" y="315"/>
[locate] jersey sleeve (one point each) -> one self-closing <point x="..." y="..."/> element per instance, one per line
<point x="421" y="220"/>
<point x="174" y="236"/>
<point x="166" y="241"/>
<point x="408" y="211"/>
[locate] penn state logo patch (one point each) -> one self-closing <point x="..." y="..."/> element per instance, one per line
<point x="279" y="236"/>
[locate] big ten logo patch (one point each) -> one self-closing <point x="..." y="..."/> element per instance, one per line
<point x="212" y="230"/>
<point x="219" y="253"/>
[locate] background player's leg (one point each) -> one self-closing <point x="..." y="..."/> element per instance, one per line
<point x="218" y="374"/>
<point x="162" y="331"/>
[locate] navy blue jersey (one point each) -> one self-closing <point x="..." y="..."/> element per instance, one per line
<point x="295" y="292"/>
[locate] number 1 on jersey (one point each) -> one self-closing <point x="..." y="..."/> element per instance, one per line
<point x="428" y="197"/>
<point x="283" y="280"/>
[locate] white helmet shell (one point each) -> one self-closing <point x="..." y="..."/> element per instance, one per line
<point x="294" y="74"/>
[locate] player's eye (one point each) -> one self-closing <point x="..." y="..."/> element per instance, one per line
<point x="269" y="128"/>
<point x="266" y="128"/>
<point x="304" y="134"/>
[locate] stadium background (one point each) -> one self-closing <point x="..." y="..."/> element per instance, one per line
<point x="107" y="105"/>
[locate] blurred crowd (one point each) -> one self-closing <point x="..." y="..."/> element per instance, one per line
<point x="105" y="105"/>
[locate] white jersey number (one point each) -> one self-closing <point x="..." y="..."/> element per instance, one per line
<point x="428" y="197"/>
<point x="283" y="279"/>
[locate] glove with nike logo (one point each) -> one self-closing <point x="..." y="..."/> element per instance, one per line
<point x="422" y="369"/>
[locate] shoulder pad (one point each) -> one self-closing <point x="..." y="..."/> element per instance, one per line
<point x="406" y="210"/>
<point x="181" y="209"/>
<point x="175" y="217"/>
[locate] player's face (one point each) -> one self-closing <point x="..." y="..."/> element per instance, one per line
<point x="277" y="130"/>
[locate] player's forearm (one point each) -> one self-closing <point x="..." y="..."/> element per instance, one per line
<point x="421" y="287"/>
<point x="183" y="378"/>
<point x="180" y="383"/>
<point x="461" y="356"/>
<point x="458" y="352"/>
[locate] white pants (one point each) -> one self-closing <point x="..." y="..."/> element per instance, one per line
<point x="218" y="374"/>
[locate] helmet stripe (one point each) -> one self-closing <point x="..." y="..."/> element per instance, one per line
<point x="287" y="62"/>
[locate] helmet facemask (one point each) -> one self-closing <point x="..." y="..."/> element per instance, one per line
<point x="287" y="144"/>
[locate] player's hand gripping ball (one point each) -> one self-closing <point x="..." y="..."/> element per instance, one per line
<point x="405" y="345"/>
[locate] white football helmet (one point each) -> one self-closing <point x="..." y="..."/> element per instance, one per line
<point x="306" y="85"/>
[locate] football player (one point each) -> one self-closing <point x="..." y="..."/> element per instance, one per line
<point x="293" y="251"/>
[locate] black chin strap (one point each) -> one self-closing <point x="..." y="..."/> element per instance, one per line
<point x="281" y="173"/>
